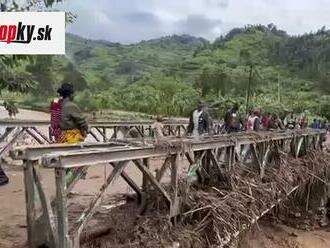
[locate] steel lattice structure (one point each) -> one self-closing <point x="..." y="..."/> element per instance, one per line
<point x="211" y="155"/>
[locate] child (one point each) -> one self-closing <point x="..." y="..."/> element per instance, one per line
<point x="158" y="128"/>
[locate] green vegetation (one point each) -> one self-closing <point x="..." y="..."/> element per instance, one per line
<point x="169" y="75"/>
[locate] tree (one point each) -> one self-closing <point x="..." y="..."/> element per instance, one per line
<point x="11" y="78"/>
<point x="41" y="71"/>
<point x="73" y="76"/>
<point x="214" y="80"/>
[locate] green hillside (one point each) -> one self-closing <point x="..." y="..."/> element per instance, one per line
<point x="168" y="75"/>
<point x="121" y="64"/>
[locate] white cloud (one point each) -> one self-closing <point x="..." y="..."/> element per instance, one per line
<point x="134" y="20"/>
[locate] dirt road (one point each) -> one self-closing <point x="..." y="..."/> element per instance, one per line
<point x="25" y="115"/>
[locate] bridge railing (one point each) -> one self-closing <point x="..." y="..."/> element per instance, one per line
<point x="101" y="131"/>
<point x="209" y="156"/>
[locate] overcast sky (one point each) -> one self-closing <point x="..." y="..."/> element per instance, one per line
<point x="129" y="21"/>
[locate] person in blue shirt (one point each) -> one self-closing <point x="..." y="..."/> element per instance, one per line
<point x="314" y="124"/>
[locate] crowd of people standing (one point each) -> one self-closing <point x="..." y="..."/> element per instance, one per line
<point x="201" y="122"/>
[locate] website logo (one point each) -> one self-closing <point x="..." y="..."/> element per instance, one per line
<point x="32" y="33"/>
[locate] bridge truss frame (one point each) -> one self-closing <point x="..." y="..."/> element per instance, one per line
<point x="211" y="155"/>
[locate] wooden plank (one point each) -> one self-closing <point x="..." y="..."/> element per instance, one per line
<point x="152" y="180"/>
<point x="29" y="202"/>
<point x="61" y="207"/>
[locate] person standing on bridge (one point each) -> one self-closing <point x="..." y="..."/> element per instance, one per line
<point x="276" y="123"/>
<point x="290" y="121"/>
<point x="232" y="120"/>
<point x="200" y="121"/>
<point x="72" y="123"/>
<point x="158" y="128"/>
<point x="55" y="117"/>
<point x="253" y="122"/>
<point x="265" y="120"/>
<point x="303" y="121"/>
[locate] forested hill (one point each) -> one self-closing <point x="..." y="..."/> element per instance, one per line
<point x="168" y="75"/>
<point x="122" y="64"/>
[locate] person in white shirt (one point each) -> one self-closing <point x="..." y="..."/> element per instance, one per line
<point x="158" y="127"/>
<point x="200" y="121"/>
<point x="253" y="122"/>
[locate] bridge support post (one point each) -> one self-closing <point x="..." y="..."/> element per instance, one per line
<point x="61" y="207"/>
<point x="30" y="203"/>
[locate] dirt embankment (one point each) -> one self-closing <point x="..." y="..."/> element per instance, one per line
<point x="271" y="235"/>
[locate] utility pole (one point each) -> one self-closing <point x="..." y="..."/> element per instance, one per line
<point x="249" y="90"/>
<point x="278" y="88"/>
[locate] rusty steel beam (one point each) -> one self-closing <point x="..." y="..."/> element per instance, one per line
<point x="85" y="157"/>
<point x="33" y="153"/>
<point x="36" y="152"/>
<point x="109" y="124"/>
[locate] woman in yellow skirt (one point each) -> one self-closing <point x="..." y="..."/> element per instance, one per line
<point x="72" y="123"/>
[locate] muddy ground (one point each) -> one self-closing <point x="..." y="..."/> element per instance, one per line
<point x="12" y="208"/>
<point x="13" y="225"/>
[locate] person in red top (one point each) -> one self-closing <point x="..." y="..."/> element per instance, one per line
<point x="265" y="120"/>
<point x="253" y="122"/>
<point x="303" y="121"/>
<point x="55" y="117"/>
